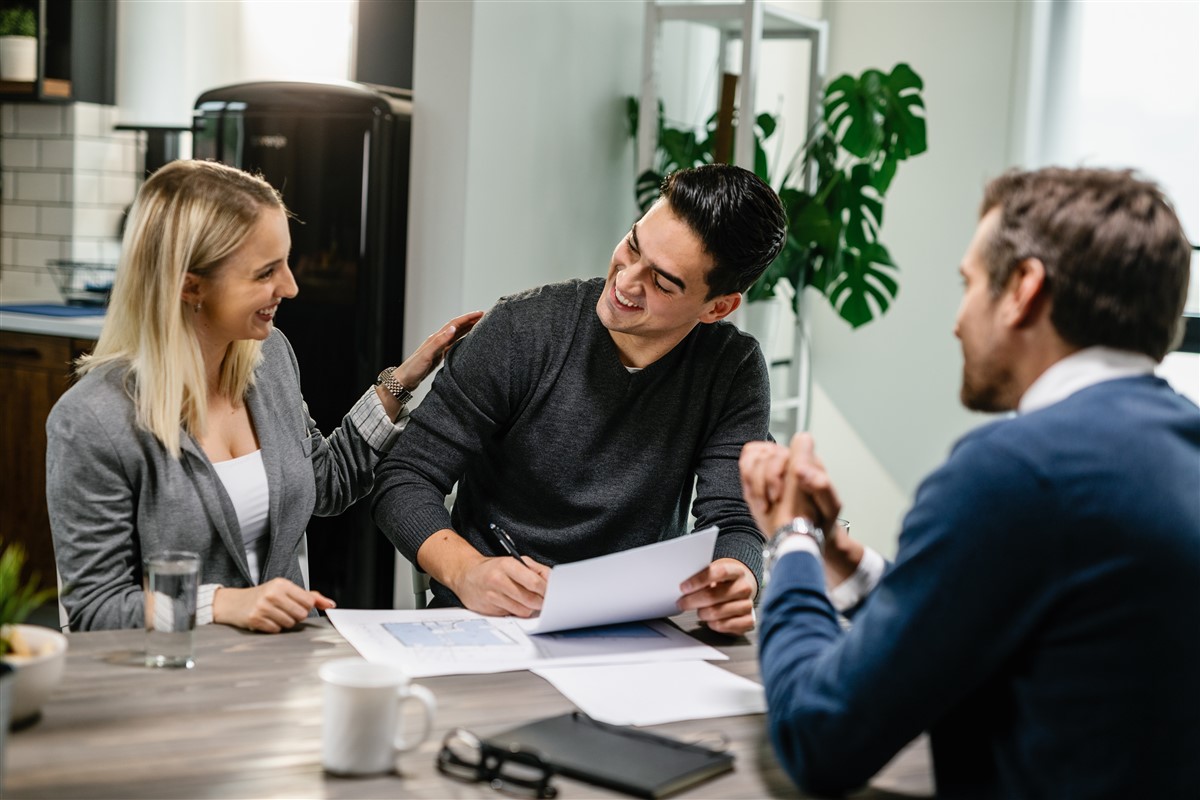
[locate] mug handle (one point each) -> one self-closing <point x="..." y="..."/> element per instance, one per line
<point x="425" y="697"/>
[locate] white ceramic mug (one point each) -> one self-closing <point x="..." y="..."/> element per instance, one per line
<point x="362" y="732"/>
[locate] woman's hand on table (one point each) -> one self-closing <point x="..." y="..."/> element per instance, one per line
<point x="270" y="607"/>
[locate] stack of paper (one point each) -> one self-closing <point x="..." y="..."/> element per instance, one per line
<point x="596" y="639"/>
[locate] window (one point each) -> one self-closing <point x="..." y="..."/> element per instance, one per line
<point x="1121" y="88"/>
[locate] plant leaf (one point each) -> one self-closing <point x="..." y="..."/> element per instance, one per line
<point x="904" y="127"/>
<point x="861" y="206"/>
<point x="647" y="188"/>
<point x="882" y="178"/>
<point x="864" y="279"/>
<point x="793" y="264"/>
<point x="852" y="111"/>
<point x="809" y="223"/>
<point x="766" y="124"/>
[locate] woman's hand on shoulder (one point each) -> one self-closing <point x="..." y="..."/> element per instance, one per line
<point x="270" y="607"/>
<point x="425" y="358"/>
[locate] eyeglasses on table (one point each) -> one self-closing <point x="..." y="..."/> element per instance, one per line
<point x="464" y="756"/>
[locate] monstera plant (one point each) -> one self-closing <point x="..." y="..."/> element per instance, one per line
<point x="869" y="124"/>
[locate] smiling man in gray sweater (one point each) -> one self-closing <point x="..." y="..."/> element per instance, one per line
<point x="581" y="415"/>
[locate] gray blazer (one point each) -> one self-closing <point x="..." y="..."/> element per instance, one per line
<point x="115" y="495"/>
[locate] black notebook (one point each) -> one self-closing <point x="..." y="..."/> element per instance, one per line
<point x="636" y="762"/>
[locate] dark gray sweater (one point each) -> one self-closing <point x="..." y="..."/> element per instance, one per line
<point x="550" y="437"/>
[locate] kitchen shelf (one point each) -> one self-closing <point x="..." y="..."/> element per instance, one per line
<point x="76" y="53"/>
<point x="750" y="21"/>
<point x="51" y="87"/>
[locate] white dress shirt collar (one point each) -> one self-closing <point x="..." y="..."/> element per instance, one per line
<point x="1080" y="370"/>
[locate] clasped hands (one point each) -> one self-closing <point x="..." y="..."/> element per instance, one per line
<point x="782" y="483"/>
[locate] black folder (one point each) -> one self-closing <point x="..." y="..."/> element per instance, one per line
<point x="636" y="762"/>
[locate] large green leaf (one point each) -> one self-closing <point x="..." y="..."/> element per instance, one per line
<point x="903" y="126"/>
<point x="878" y="116"/>
<point x="682" y="149"/>
<point x="863" y="278"/>
<point x="859" y="203"/>
<point x="809" y="222"/>
<point x="851" y="112"/>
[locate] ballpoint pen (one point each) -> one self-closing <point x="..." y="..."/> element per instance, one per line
<point x="506" y="542"/>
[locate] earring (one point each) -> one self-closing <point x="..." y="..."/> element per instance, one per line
<point x="196" y="308"/>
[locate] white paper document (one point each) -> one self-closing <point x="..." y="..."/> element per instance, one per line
<point x="642" y="583"/>
<point x="650" y="694"/>
<point x="454" y="641"/>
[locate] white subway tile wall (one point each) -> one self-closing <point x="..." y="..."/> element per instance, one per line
<point x="67" y="180"/>
<point x="20" y="153"/>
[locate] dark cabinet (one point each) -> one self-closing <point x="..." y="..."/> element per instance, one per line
<point x="34" y="371"/>
<point x="77" y="44"/>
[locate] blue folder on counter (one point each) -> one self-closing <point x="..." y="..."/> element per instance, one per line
<point x="54" y="310"/>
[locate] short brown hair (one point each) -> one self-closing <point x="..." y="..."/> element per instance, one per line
<point x="1115" y="253"/>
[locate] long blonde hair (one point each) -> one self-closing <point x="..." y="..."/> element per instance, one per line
<point x="188" y="217"/>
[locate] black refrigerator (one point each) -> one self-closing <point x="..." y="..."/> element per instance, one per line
<point x="339" y="154"/>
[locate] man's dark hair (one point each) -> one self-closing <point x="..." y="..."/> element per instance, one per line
<point x="738" y="218"/>
<point x="1115" y="254"/>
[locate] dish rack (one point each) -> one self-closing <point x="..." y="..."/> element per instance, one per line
<point x="83" y="283"/>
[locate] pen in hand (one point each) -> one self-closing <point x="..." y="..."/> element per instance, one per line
<point x="506" y="542"/>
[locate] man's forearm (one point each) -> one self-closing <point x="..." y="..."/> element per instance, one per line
<point x="446" y="556"/>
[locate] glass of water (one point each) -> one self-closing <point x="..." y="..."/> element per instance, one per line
<point x="171" y="581"/>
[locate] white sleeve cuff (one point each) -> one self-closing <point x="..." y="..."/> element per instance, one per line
<point x="852" y="591"/>
<point x="372" y="423"/>
<point x="204" y="600"/>
<point x="797" y="544"/>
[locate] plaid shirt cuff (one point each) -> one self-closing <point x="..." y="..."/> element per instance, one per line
<point x="372" y="423"/>
<point x="204" y="599"/>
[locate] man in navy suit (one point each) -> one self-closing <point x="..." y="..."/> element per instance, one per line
<point x="1039" y="619"/>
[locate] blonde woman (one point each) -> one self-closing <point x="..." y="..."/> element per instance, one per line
<point x="187" y="429"/>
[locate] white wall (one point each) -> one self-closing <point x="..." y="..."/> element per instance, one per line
<point x="173" y="50"/>
<point x="886" y="409"/>
<point x="522" y="170"/>
<point x="170" y="53"/>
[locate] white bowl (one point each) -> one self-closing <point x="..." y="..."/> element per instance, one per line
<point x="36" y="676"/>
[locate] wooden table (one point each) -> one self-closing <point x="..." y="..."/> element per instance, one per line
<point x="246" y="723"/>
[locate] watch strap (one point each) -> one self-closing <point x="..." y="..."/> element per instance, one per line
<point x="387" y="379"/>
<point x="798" y="534"/>
<point x="799" y="526"/>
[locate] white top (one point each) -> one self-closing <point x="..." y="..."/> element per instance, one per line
<point x="371" y="421"/>
<point x="245" y="480"/>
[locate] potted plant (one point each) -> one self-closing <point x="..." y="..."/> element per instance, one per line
<point x="833" y="189"/>
<point x="36" y="654"/>
<point x="18" y="44"/>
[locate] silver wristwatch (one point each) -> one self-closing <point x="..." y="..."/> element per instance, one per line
<point x="799" y="526"/>
<point x="387" y="379"/>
